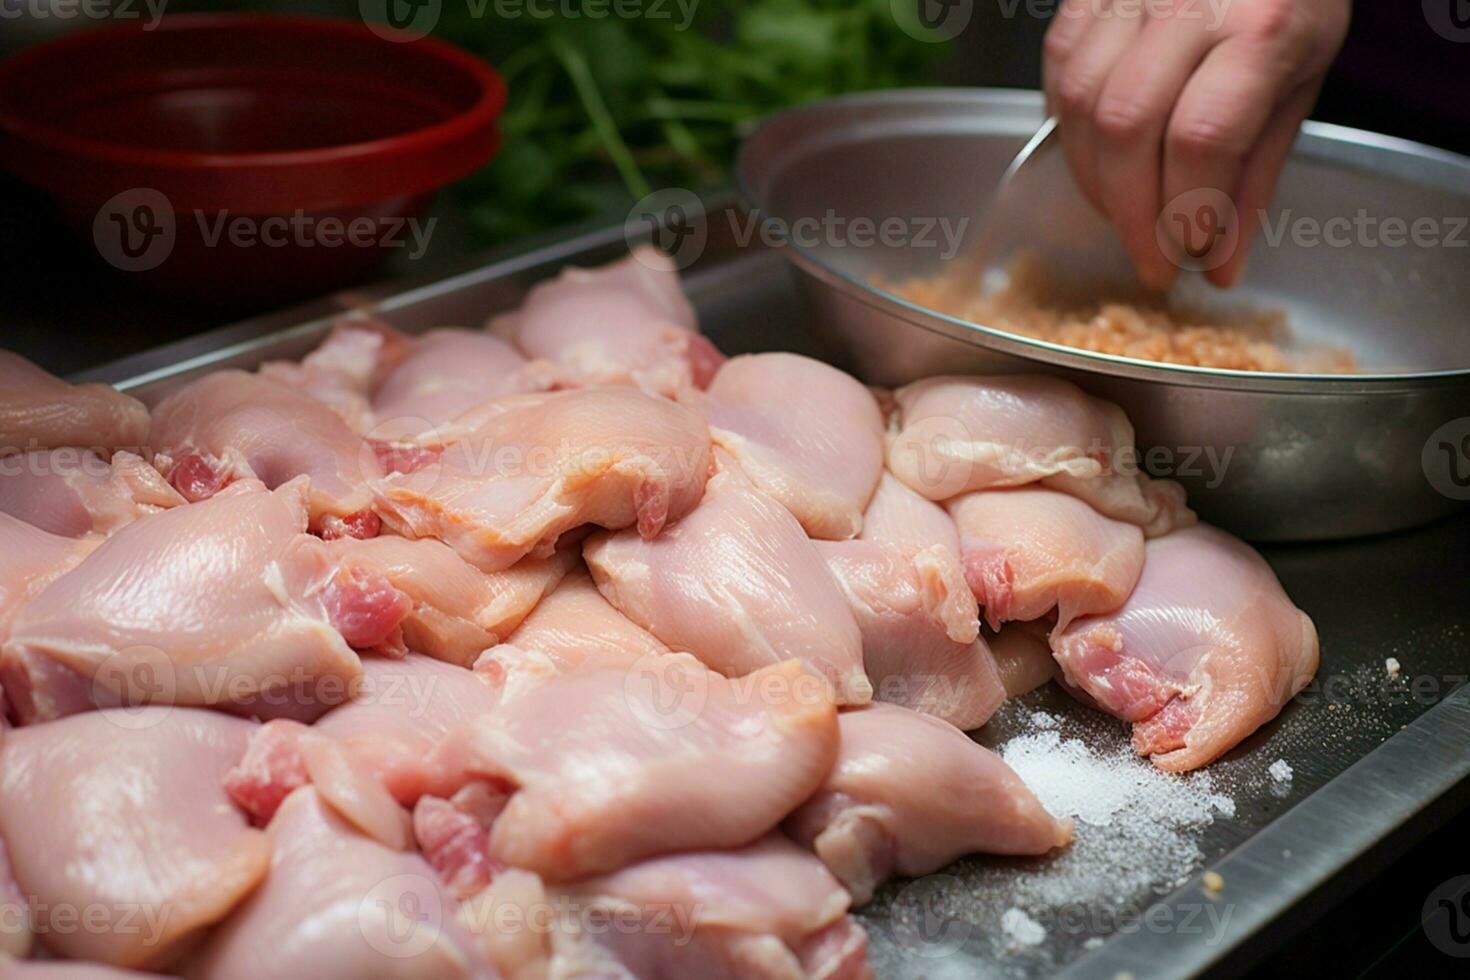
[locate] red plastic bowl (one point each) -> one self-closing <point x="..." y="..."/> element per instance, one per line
<point x="224" y="158"/>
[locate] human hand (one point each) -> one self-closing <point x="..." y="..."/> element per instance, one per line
<point x="1156" y="98"/>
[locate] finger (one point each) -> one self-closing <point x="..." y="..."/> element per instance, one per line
<point x="1260" y="176"/>
<point x="1107" y="38"/>
<point x="1062" y="36"/>
<point x="1220" y="117"/>
<point x="1132" y="114"/>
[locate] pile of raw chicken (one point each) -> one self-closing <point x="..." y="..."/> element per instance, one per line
<point x="566" y="647"/>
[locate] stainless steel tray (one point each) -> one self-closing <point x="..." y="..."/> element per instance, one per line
<point x="1377" y="761"/>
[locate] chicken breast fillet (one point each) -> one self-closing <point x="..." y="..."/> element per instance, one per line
<point x="1028" y="551"/>
<point x="539" y="465"/>
<point x="738" y="584"/>
<point x="911" y="793"/>
<point x="73" y="492"/>
<point x="40" y="411"/>
<point x="952" y="435"/>
<point x="627" y="322"/>
<point x="1206" y="650"/>
<point x="230" y="425"/>
<point x="123" y="811"/>
<point x="806" y="433"/>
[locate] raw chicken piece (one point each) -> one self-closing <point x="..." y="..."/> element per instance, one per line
<point x="457" y="610"/>
<point x="40" y="411"/>
<point x="67" y="970"/>
<point x="1023" y="657"/>
<point x="624" y="323"/>
<point x="73" y="492"/>
<point x="16" y="936"/>
<point x="575" y="625"/>
<point x="399" y="711"/>
<point x="454" y="836"/>
<point x="501" y="917"/>
<point x="1028" y="551"/>
<point x="344" y="371"/>
<point x="540" y="465"/>
<point x="610" y="766"/>
<point x="956" y="434"/>
<point x="122" y="810"/>
<point x="897" y="516"/>
<point x="911" y="793"/>
<point x="230" y="425"/>
<point x="449" y="372"/>
<point x="806" y="433"/>
<point x="1206" y="650"/>
<point x="738" y="584"/>
<point x="220" y="602"/>
<point x="338" y="905"/>
<point x="30" y="559"/>
<point x="921" y="643"/>
<point x="767" y="910"/>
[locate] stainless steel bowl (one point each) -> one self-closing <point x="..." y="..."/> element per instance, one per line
<point x="1270" y="456"/>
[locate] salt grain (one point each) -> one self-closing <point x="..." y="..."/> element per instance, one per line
<point x="1392" y="666"/>
<point x="1280" y="770"/>
<point x="1021" y="928"/>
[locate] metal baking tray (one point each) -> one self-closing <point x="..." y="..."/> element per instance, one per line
<point x="1377" y="761"/>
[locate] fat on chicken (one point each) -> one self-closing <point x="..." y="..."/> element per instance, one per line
<point x="40" y="411"/>
<point x="738" y="584"/>
<point x="231" y="425"/>
<point x="337" y="905"/>
<point x="766" y="911"/>
<point x="1206" y="650"/>
<point x="1027" y="551"/>
<point x="953" y="434"/>
<point x="448" y="372"/>
<point x="806" y="433"/>
<point x="627" y="322"/>
<point x="73" y="492"/>
<point x="605" y="767"/>
<point x="457" y="610"/>
<point x="540" y="465"/>
<point x="122" y="810"/>
<point x="223" y="602"/>
<point x="909" y="794"/>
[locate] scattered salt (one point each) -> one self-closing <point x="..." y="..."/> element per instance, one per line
<point x="1280" y="770"/>
<point x="1093" y="942"/>
<point x="1021" y="928"/>
<point x="1392" y="666"/>
<point x="1043" y="719"/>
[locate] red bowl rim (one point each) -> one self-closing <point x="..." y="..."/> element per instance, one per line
<point x="478" y="121"/>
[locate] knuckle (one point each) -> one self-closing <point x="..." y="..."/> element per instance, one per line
<point x="1203" y="138"/>
<point x="1077" y="91"/>
<point x="1121" y="120"/>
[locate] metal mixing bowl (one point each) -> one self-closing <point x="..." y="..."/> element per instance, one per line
<point x="1270" y="456"/>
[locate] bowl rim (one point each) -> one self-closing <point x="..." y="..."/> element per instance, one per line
<point x="481" y="115"/>
<point x="1319" y="139"/>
